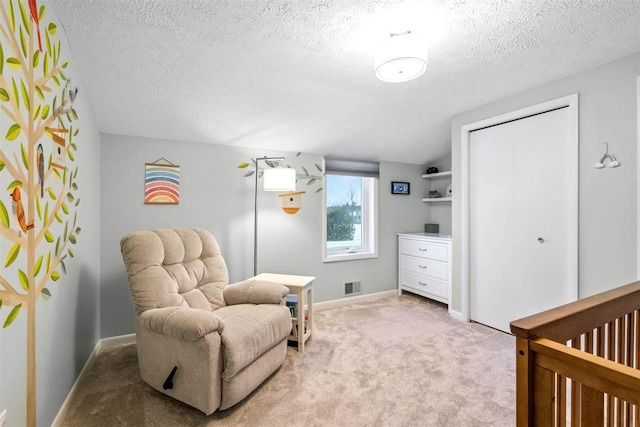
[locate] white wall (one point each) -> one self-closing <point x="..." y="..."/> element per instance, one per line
<point x="216" y="196"/>
<point x="67" y="325"/>
<point x="607" y="206"/>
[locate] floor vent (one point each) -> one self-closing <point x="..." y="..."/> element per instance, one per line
<point x="352" y="288"/>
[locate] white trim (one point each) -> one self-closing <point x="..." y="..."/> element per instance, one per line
<point x="570" y="101"/>
<point x="325" y="305"/>
<point x="455" y="314"/>
<point x="117" y="340"/>
<point x="100" y="345"/>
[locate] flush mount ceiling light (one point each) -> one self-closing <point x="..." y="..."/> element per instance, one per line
<point x="400" y="58"/>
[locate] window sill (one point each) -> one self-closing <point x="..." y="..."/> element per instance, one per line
<point x="350" y="257"/>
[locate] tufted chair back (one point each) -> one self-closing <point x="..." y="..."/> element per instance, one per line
<point x="174" y="268"/>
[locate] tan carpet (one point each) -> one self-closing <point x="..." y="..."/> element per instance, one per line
<point x="398" y="361"/>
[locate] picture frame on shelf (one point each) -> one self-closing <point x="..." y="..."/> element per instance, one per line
<point x="398" y="187"/>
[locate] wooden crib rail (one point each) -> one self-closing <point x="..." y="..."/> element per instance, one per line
<point x="578" y="364"/>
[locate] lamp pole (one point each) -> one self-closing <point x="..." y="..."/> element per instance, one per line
<point x="255" y="210"/>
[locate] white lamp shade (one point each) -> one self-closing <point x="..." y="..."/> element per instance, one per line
<point x="401" y="58"/>
<point x="279" y="179"/>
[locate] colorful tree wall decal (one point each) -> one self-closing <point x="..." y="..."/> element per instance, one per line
<point x="38" y="209"/>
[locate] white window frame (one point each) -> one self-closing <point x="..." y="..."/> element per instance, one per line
<point x="369" y="248"/>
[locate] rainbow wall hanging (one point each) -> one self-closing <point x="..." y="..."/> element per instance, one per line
<point x="161" y="184"/>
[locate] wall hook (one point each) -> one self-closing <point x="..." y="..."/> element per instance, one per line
<point x="613" y="162"/>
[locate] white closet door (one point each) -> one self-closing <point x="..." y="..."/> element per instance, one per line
<point x="520" y="218"/>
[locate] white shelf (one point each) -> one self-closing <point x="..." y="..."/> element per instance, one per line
<point x="436" y="175"/>
<point x="437" y="199"/>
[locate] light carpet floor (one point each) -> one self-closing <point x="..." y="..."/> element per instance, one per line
<point x="399" y="361"/>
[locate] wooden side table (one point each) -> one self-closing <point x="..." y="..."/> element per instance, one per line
<point x="298" y="285"/>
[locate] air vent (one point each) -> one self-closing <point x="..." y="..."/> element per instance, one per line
<point x="352" y="288"/>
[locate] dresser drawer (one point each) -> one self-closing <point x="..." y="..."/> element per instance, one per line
<point x="421" y="266"/>
<point x="438" y="252"/>
<point x="425" y="284"/>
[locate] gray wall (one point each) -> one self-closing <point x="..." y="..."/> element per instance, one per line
<point x="216" y="196"/>
<point x="67" y="325"/>
<point x="607" y="205"/>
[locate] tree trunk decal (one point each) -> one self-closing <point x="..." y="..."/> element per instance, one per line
<point x="38" y="209"/>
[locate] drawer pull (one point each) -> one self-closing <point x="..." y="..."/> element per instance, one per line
<point x="423" y="284"/>
<point x="422" y="266"/>
<point x="422" y="250"/>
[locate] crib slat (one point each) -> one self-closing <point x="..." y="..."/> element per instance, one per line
<point x="543" y="396"/>
<point x="575" y="392"/>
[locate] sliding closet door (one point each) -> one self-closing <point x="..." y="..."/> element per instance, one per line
<point x="521" y="218"/>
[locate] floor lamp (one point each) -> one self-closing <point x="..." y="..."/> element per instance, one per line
<point x="275" y="178"/>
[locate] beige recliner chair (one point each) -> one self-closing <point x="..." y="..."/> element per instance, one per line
<point x="200" y="340"/>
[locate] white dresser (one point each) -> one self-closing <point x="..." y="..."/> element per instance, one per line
<point x="424" y="265"/>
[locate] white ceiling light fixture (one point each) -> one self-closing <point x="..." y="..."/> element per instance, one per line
<point x="400" y="58"/>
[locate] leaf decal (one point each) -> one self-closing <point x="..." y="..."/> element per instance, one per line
<point x="58" y="217"/>
<point x="311" y="181"/>
<point x="38" y="208"/>
<point x="38" y="90"/>
<point x="13" y="132"/>
<point x="55" y="276"/>
<point x="12" y="15"/>
<point x="14" y="184"/>
<point x="70" y="252"/>
<point x="25" y="20"/>
<point x="57" y="247"/>
<point x="14" y="87"/>
<point x="46" y="293"/>
<point x="41" y="13"/>
<point x="65" y="209"/>
<point x="48" y="264"/>
<point x="4" y="215"/>
<point x="52" y="29"/>
<point x="0" y="302"/>
<point x="36" y="59"/>
<point x="78" y="230"/>
<point x="24" y="281"/>
<point x="318" y="167"/>
<point x="51" y="193"/>
<point x="4" y="95"/>
<point x="12" y="254"/>
<point x="306" y="172"/>
<point x="63" y="267"/>
<point x="1" y="165"/>
<point x="72" y="239"/>
<point x="46" y="213"/>
<point x="25" y="95"/>
<point x="14" y="63"/>
<point x="23" y="42"/>
<point x="25" y="157"/>
<point x="298" y="154"/>
<point x="70" y="154"/>
<point x="36" y="268"/>
<point x="1" y="59"/>
<point x="318" y="190"/>
<point x="66" y="229"/>
<point x="12" y="315"/>
<point x="249" y="173"/>
<point x="243" y="165"/>
<point x="48" y="236"/>
<point x="45" y="111"/>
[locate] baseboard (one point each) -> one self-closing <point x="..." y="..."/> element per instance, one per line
<point x="352" y="300"/>
<point x="117" y="340"/>
<point x="103" y="343"/>
<point x="455" y="314"/>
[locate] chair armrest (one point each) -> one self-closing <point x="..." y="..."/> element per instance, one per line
<point x="183" y="323"/>
<point x="255" y="292"/>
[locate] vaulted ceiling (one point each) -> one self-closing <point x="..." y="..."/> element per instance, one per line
<point x="297" y="75"/>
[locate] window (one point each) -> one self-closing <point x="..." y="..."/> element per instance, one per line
<point x="350" y="206"/>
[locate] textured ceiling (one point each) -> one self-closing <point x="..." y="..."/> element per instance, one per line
<point x="297" y="75"/>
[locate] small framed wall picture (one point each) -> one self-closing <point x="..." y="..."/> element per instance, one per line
<point x="400" y="187"/>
